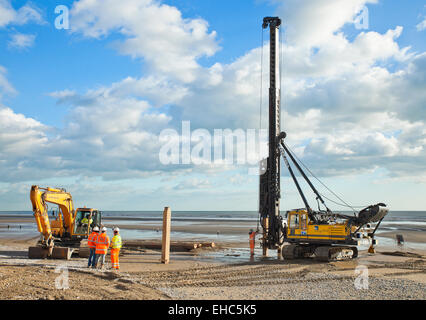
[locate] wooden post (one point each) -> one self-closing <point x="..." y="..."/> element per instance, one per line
<point x="165" y="246"/>
<point x="265" y="235"/>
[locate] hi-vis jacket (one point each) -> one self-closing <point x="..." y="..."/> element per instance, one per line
<point x="102" y="243"/>
<point x="93" y="238"/>
<point x="252" y="236"/>
<point x="116" y="242"/>
<point x="86" y="221"/>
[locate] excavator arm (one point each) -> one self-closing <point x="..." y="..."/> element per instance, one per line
<point x="39" y="199"/>
<point x="64" y="235"/>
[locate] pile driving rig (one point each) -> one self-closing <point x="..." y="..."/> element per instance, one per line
<point x="324" y="234"/>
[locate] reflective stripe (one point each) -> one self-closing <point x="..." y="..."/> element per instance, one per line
<point x="102" y="239"/>
<point x="92" y="240"/>
<point x="116" y="242"/>
<point x="102" y="243"/>
<point x="114" y="258"/>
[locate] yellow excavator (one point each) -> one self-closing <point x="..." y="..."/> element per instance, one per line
<point x="65" y="233"/>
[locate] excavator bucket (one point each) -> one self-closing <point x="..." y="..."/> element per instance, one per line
<point x="84" y="250"/>
<point x="38" y="253"/>
<point x="54" y="253"/>
<point x="62" y="253"/>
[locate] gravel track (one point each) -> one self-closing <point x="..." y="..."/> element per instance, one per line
<point x="284" y="281"/>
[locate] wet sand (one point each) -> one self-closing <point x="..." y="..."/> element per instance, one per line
<point x="223" y="273"/>
<point x="191" y="228"/>
<point x="409" y="236"/>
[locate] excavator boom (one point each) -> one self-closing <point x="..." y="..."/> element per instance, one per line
<point x="60" y="237"/>
<point x="39" y="199"/>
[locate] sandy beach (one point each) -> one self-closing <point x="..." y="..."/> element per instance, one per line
<point x="224" y="272"/>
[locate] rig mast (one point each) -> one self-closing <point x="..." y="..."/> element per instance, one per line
<point x="269" y="192"/>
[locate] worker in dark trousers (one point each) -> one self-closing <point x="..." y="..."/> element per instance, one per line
<point x="93" y="238"/>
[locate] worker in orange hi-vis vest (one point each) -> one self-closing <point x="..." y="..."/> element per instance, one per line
<point x="115" y="249"/>
<point x="102" y="245"/>
<point x="93" y="238"/>
<point x="252" y="238"/>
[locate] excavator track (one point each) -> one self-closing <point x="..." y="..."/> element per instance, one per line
<point x="296" y="251"/>
<point x="289" y="251"/>
<point x="335" y="253"/>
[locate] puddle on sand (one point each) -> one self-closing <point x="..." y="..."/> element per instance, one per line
<point x="227" y="256"/>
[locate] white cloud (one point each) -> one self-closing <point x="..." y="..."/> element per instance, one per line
<point x="153" y="31"/>
<point x="345" y="109"/>
<point x="378" y="139"/>
<point x="158" y="89"/>
<point x="19" y="136"/>
<point x="421" y="26"/>
<point x="312" y="23"/>
<point x="21" y="41"/>
<point x="5" y="86"/>
<point x="7" y="13"/>
<point x="27" y="13"/>
<point x="329" y="95"/>
<point x="193" y="184"/>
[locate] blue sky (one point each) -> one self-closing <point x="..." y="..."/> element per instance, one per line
<point x="83" y="108"/>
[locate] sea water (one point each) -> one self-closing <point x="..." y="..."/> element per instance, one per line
<point x="197" y="221"/>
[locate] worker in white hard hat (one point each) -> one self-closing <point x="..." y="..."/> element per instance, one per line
<point x="93" y="238"/>
<point x="102" y="245"/>
<point x="115" y="249"/>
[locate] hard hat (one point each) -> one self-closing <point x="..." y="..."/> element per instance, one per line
<point x="96" y="229"/>
<point x="116" y="229"/>
<point x="104" y="229"/>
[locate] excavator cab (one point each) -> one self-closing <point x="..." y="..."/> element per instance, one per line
<point x="85" y="220"/>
